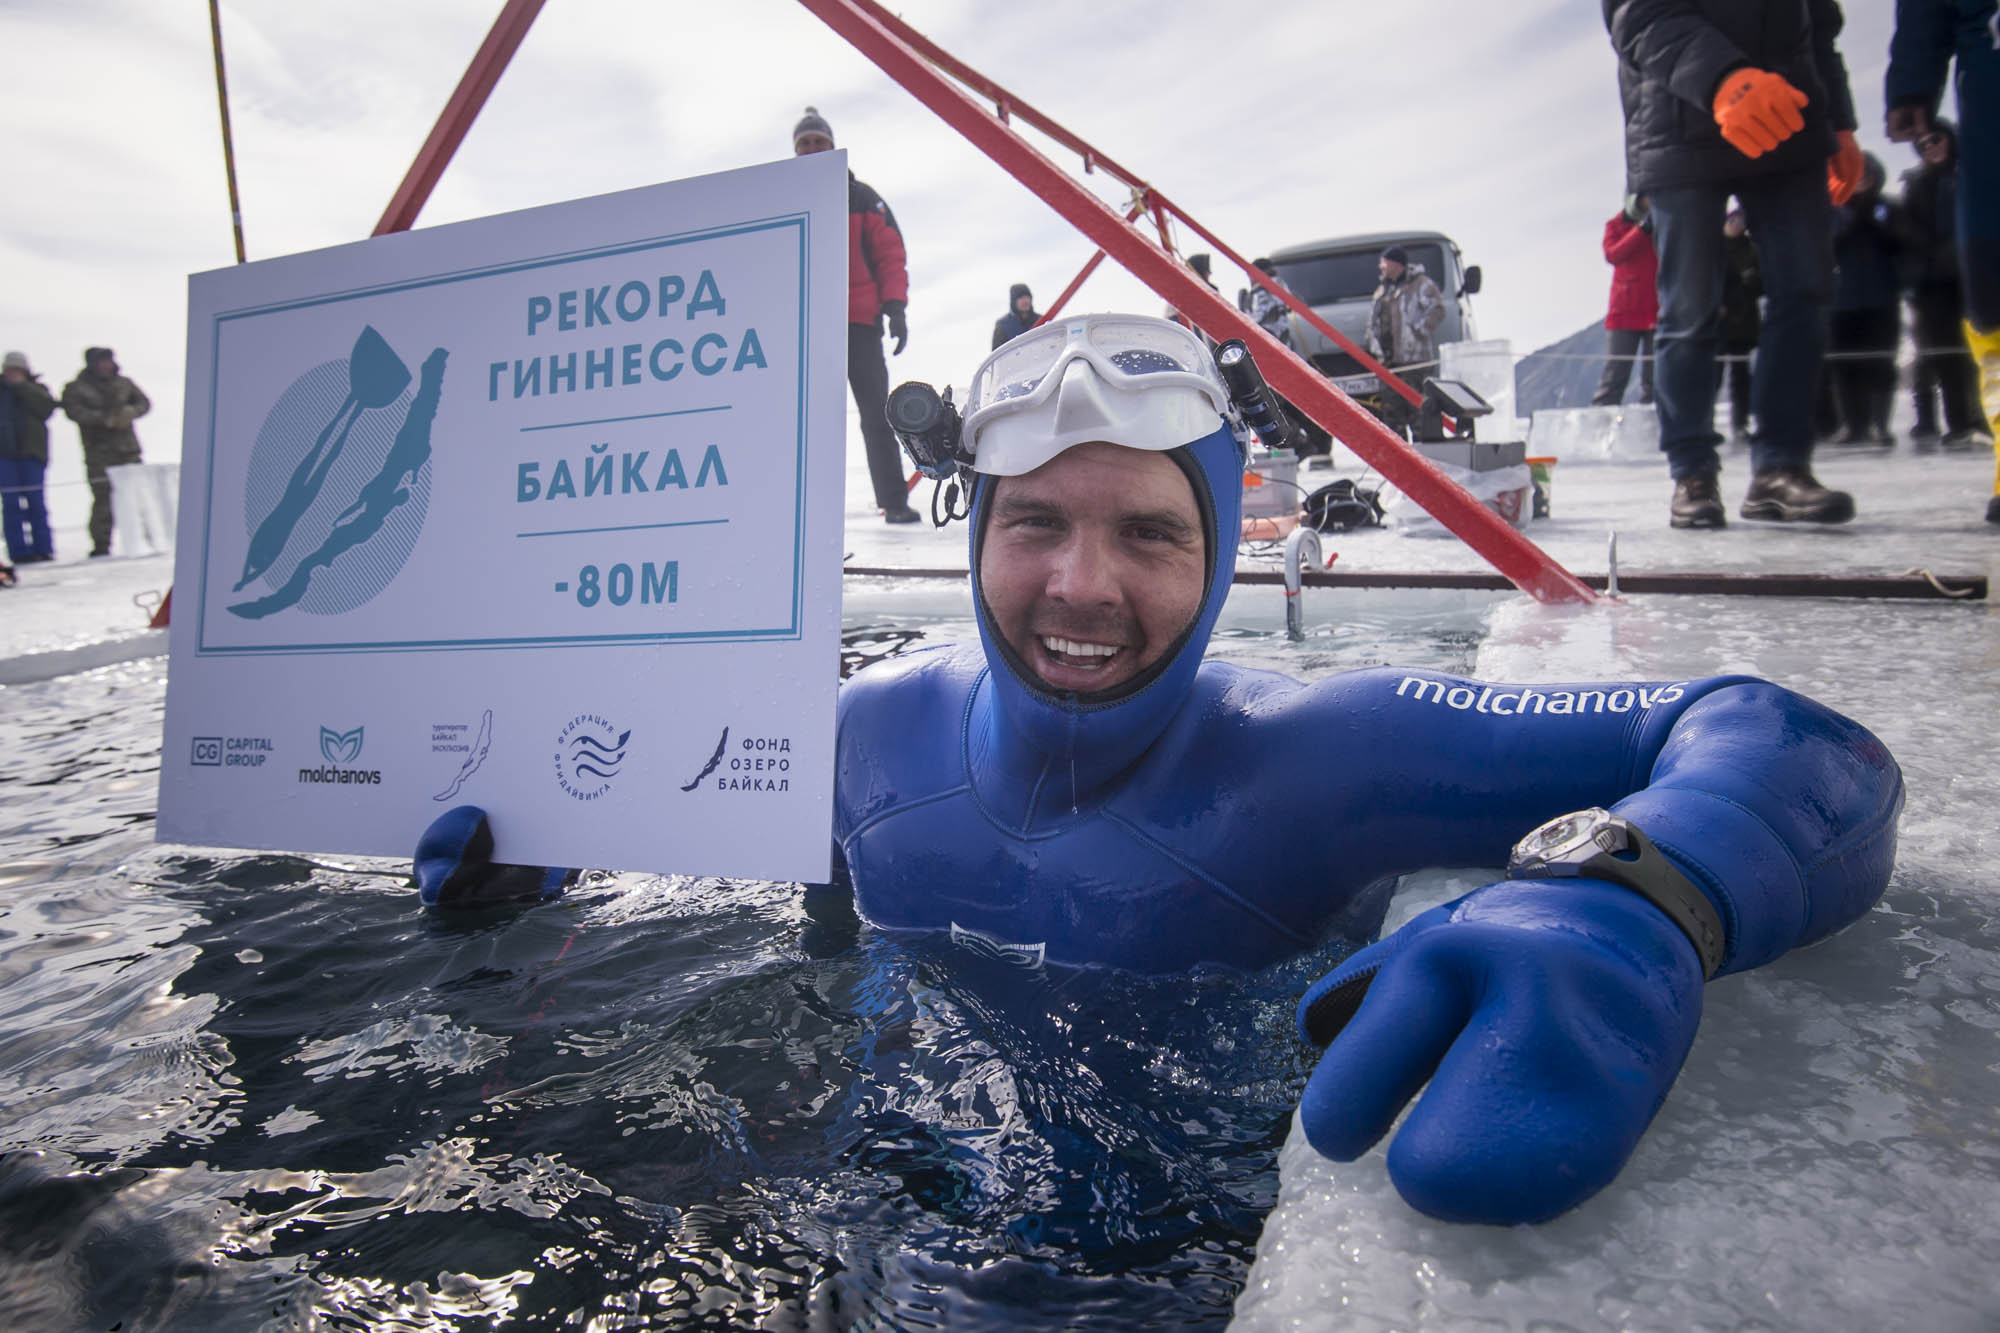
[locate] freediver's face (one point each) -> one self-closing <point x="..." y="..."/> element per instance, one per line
<point x="1093" y="564"/>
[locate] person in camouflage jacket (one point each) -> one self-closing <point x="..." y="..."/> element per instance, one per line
<point x="1402" y="329"/>
<point x="104" y="404"/>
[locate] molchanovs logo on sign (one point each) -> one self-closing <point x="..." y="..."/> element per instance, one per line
<point x="340" y="747"/>
<point x="339" y="482"/>
<point x="337" y="748"/>
<point x="589" y="753"/>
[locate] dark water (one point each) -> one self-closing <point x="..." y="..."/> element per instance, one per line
<point x="247" y="1091"/>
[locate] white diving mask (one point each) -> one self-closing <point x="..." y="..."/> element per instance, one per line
<point x="1121" y="379"/>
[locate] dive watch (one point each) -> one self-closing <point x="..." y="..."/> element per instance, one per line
<point x="1596" y="844"/>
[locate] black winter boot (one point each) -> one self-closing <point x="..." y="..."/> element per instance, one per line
<point x="1697" y="503"/>
<point x="1794" y="495"/>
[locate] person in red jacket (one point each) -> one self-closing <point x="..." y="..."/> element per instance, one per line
<point x="878" y="289"/>
<point x="1635" y="303"/>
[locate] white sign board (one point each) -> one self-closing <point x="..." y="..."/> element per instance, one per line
<point x="539" y="513"/>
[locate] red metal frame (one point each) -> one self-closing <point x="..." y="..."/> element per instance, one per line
<point x="488" y="64"/>
<point x="1089" y="267"/>
<point x="879" y="36"/>
<point x="909" y="58"/>
<point x="1008" y="106"/>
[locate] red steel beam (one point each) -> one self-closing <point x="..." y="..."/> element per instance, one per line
<point x="1007" y="106"/>
<point x="488" y="64"/>
<point x="1089" y="267"/>
<point x="1526" y="565"/>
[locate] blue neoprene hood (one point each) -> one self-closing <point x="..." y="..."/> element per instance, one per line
<point x="1102" y="735"/>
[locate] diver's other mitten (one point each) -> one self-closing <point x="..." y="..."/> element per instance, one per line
<point x="455" y="866"/>
<point x="1549" y="1018"/>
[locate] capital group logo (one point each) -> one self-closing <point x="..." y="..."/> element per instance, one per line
<point x="590" y="752"/>
<point x="338" y="748"/>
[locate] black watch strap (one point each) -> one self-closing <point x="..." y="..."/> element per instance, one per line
<point x="1646" y="871"/>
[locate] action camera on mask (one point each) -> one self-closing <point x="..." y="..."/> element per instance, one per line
<point x="928" y="427"/>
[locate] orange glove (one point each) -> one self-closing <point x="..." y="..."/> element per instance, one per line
<point x="1843" y="169"/>
<point x="1757" y="110"/>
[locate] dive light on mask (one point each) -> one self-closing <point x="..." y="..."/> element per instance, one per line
<point x="1252" y="397"/>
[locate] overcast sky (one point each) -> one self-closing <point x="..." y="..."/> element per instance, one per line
<point x="1272" y="122"/>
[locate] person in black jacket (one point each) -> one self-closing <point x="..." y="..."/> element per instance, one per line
<point x="1020" y="316"/>
<point x="1867" y="318"/>
<point x="1742" y="318"/>
<point x="1932" y="35"/>
<point x="1750" y="98"/>
<point x="1944" y="369"/>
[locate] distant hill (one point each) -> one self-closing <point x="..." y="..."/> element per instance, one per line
<point x="1564" y="374"/>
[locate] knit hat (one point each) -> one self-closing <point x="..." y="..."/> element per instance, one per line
<point x="811" y="123"/>
<point x="1396" y="254"/>
<point x="15" y="361"/>
<point x="92" y="355"/>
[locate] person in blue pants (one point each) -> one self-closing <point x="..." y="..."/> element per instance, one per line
<point x="1081" y="788"/>
<point x="1746" y="98"/>
<point x="25" y="407"/>
<point x="1930" y="34"/>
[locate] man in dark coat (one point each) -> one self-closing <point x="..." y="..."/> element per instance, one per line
<point x="1742" y="318"/>
<point x="1867" y="320"/>
<point x="25" y="406"/>
<point x="1944" y="369"/>
<point x="878" y="290"/>
<point x="1020" y="316"/>
<point x="1750" y="98"/>
<point x="104" y="404"/>
<point x="1930" y="35"/>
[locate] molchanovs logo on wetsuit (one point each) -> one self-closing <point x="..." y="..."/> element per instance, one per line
<point x="338" y="482"/>
<point x="337" y="748"/>
<point x="589" y="753"/>
<point x="1518" y="702"/>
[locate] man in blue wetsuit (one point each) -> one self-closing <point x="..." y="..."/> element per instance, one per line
<point x="1083" y="787"/>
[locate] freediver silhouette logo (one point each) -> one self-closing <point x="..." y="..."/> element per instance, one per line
<point x="340" y="747"/>
<point x="339" y="482"/>
<point x="589" y="753"/>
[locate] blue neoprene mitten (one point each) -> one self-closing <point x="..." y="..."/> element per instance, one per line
<point x="455" y="866"/>
<point x="1549" y="1018"/>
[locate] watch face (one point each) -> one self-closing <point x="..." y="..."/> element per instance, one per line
<point x="1557" y="836"/>
<point x="1565" y="841"/>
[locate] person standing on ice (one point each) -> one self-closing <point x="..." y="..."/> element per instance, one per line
<point x="25" y="407"/>
<point x="1020" y="316"/>
<point x="1742" y="318"/>
<point x="1080" y="788"/>
<point x="1634" y="306"/>
<point x="878" y="290"/>
<point x="1929" y="35"/>
<point x="104" y="404"/>
<point x="1944" y="371"/>
<point x="1750" y="98"/>
<point x="1402" y="329"/>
